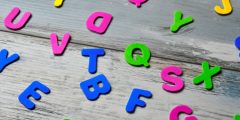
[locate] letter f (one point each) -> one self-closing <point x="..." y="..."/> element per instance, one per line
<point x="135" y="101"/>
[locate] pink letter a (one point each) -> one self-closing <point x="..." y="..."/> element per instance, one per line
<point x="106" y="20"/>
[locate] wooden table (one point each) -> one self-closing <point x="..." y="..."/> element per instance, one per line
<point x="210" y="38"/>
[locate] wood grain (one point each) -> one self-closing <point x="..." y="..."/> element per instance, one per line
<point x="210" y="37"/>
<point x="63" y="74"/>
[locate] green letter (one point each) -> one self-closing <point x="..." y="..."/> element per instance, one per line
<point x="140" y="60"/>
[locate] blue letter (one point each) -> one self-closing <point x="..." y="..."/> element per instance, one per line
<point x="31" y="91"/>
<point x="135" y="101"/>
<point x="94" y="84"/>
<point x="93" y="54"/>
<point x="5" y="60"/>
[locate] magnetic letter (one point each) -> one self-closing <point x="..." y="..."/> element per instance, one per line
<point x="140" y="60"/>
<point x="138" y="3"/>
<point x="5" y="60"/>
<point x="58" y="3"/>
<point x="59" y="49"/>
<point x="66" y="118"/>
<point x="97" y="89"/>
<point x="106" y="20"/>
<point x="174" y="114"/>
<point x="31" y="91"/>
<point x="227" y="8"/>
<point x="237" y="43"/>
<point x="206" y="75"/>
<point x="176" y="84"/>
<point x="93" y="55"/>
<point x="8" y="21"/>
<point x="179" y="21"/>
<point x="134" y="100"/>
<point x="237" y="117"/>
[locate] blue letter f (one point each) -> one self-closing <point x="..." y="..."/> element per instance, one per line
<point x="134" y="99"/>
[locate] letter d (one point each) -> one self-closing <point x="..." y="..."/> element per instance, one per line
<point x="101" y="29"/>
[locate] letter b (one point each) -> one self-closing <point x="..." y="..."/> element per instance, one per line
<point x="97" y="90"/>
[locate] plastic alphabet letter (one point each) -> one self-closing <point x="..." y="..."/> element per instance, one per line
<point x="236" y="117"/>
<point x="58" y="50"/>
<point x="179" y="21"/>
<point x="5" y="60"/>
<point x="106" y="20"/>
<point x="93" y="55"/>
<point x="98" y="90"/>
<point x="66" y="118"/>
<point x="206" y="76"/>
<point x="58" y="3"/>
<point x="140" y="60"/>
<point x="227" y="8"/>
<point x="174" y="114"/>
<point x="135" y="101"/>
<point x="31" y="91"/>
<point x="237" y="43"/>
<point x="177" y="83"/>
<point x="138" y="3"/>
<point x="12" y="15"/>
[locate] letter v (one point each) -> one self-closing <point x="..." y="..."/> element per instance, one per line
<point x="5" y="60"/>
<point x="59" y="49"/>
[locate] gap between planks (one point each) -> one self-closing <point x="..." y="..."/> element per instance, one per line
<point x="109" y="48"/>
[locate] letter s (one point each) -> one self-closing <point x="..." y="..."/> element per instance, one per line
<point x="176" y="84"/>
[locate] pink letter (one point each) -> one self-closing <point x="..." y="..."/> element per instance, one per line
<point x="8" y="21"/>
<point x="138" y="3"/>
<point x="177" y="83"/>
<point x="106" y="20"/>
<point x="58" y="50"/>
<point x="174" y="114"/>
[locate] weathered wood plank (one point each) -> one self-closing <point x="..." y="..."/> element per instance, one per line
<point x="210" y="37"/>
<point x="64" y="73"/>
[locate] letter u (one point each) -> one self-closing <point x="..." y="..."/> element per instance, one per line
<point x="8" y="21"/>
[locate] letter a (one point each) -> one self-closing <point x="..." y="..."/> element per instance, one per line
<point x="101" y="29"/>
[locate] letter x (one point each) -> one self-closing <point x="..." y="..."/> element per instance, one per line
<point x="206" y="75"/>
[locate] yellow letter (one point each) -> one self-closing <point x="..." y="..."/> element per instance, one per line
<point x="58" y="3"/>
<point x="227" y="8"/>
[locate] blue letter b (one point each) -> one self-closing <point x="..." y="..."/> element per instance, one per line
<point x="97" y="90"/>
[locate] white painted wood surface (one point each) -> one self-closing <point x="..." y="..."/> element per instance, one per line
<point x="63" y="75"/>
<point x="210" y="37"/>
